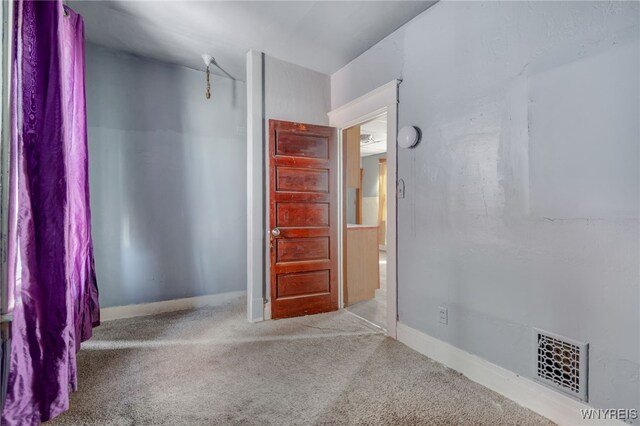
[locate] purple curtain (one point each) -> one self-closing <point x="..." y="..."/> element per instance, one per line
<point x="53" y="293"/>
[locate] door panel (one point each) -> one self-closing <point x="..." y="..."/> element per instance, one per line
<point x="303" y="213"/>
<point x="295" y="249"/>
<point x="302" y="180"/>
<point x="301" y="283"/>
<point x="302" y="145"/>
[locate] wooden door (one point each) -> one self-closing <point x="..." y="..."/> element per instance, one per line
<point x="303" y="175"/>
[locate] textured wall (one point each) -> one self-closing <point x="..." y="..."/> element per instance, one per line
<point x="294" y="93"/>
<point x="521" y="205"/>
<point x="167" y="180"/>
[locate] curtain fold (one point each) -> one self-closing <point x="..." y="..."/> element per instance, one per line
<point x="52" y="281"/>
<point x="382" y="201"/>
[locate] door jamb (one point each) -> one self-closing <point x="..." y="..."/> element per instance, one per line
<point x="380" y="101"/>
<point x="256" y="246"/>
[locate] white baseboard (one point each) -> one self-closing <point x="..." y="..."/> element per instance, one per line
<point x="525" y="392"/>
<point x="130" y="311"/>
<point x="255" y="309"/>
<point x="267" y="311"/>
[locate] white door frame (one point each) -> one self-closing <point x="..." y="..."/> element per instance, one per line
<point x="256" y="197"/>
<point x="383" y="100"/>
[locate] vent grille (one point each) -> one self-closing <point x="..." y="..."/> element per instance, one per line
<point x="561" y="363"/>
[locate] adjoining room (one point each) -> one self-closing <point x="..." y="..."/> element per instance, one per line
<point x="366" y="252"/>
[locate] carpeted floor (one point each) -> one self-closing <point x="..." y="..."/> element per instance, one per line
<point x="210" y="366"/>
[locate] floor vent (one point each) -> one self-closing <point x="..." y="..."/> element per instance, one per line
<point x="561" y="363"/>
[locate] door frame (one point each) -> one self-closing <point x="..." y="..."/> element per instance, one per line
<point x="256" y="189"/>
<point x="378" y="102"/>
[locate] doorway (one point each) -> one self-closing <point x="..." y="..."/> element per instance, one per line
<point x="365" y="289"/>
<point x="380" y="102"/>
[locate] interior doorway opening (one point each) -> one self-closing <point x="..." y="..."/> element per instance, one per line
<point x="365" y="282"/>
<point x="380" y="102"/>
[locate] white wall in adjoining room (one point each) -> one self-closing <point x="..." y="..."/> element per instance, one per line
<point x="167" y="179"/>
<point x="370" y="188"/>
<point x="522" y="199"/>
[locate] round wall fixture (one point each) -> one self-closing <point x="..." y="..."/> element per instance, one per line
<point x="408" y="136"/>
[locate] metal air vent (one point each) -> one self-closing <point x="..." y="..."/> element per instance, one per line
<point x="561" y="363"/>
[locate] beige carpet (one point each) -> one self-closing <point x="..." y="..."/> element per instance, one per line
<point x="209" y="367"/>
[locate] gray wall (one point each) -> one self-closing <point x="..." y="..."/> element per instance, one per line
<point x="370" y="188"/>
<point x="167" y="180"/>
<point x="294" y="93"/>
<point x="521" y="205"/>
<point x="352" y="201"/>
<point x="371" y="175"/>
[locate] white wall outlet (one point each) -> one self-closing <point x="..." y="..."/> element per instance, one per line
<point x="443" y="315"/>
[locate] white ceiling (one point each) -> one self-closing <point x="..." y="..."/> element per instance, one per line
<point x="321" y="35"/>
<point x="377" y="128"/>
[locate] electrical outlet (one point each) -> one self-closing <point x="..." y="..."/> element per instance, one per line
<point x="443" y="315"/>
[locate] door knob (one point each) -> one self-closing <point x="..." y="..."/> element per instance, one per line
<point x="275" y="232"/>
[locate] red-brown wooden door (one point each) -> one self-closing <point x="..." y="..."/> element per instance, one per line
<point x="303" y="215"/>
